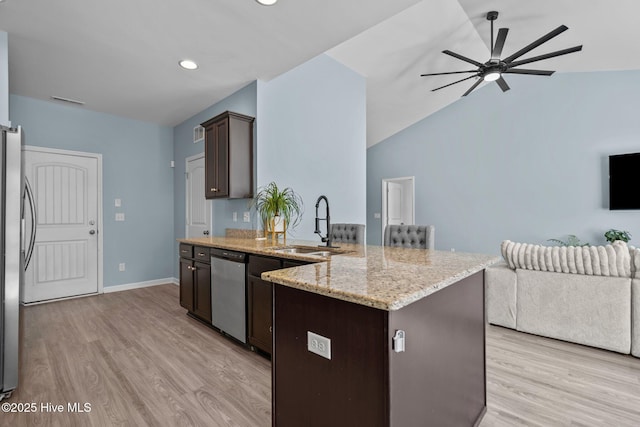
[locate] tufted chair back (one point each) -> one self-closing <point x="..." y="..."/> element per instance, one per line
<point x="348" y="233"/>
<point x="410" y="236"/>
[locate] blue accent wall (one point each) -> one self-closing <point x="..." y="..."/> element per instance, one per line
<point x="312" y="138"/>
<point x="243" y="102"/>
<point x="527" y="165"/>
<point x="136" y="168"/>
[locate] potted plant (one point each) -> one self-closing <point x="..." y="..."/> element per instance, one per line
<point x="278" y="209"/>
<point x="613" y="235"/>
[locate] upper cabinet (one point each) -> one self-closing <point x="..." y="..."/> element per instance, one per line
<point x="228" y="151"/>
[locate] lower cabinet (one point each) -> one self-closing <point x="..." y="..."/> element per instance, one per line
<point x="260" y="302"/>
<point x="260" y="299"/>
<point x="195" y="281"/>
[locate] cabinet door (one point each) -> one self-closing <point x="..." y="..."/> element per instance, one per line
<point x="260" y="313"/>
<point x="222" y="159"/>
<point x="202" y="289"/>
<point x="186" y="284"/>
<point x="210" y="158"/>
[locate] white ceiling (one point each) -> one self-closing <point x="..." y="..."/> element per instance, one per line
<point x="120" y="57"/>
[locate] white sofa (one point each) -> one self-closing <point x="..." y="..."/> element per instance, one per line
<point x="587" y="295"/>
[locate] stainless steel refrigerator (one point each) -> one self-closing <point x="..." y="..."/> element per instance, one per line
<point x="12" y="255"/>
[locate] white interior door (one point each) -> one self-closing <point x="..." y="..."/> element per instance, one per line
<point x="395" y="203"/>
<point x="65" y="187"/>
<point x="398" y="206"/>
<point x="198" y="208"/>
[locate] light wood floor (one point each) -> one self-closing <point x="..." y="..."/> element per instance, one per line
<point x="140" y="361"/>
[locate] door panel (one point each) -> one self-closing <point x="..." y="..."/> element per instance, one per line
<point x="65" y="257"/>
<point x="198" y="210"/>
<point x="394" y="204"/>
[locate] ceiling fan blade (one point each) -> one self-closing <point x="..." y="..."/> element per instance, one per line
<point x="497" y="48"/>
<point x="525" y="71"/>
<point x="463" y="58"/>
<point x="451" y="72"/>
<point x="545" y="56"/>
<point x="475" y="85"/>
<point x="451" y="84"/>
<point x="543" y="39"/>
<point x="503" y="84"/>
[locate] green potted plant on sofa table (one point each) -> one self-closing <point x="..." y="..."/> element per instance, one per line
<point x="613" y="235"/>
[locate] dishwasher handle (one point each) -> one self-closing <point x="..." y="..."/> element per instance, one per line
<point x="229" y="255"/>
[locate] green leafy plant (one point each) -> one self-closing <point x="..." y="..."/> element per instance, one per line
<point x="613" y="235"/>
<point x="271" y="202"/>
<point x="572" y="240"/>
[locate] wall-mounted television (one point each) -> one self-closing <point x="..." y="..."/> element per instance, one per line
<point x="624" y="178"/>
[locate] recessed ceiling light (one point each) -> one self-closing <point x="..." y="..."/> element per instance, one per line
<point x="188" y="64"/>
<point x="267" y="2"/>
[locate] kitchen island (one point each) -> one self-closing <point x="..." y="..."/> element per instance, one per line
<point x="376" y="336"/>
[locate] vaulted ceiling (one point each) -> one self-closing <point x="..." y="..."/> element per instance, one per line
<point x="120" y="57"/>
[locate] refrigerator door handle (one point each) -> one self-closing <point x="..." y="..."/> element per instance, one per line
<point x="34" y="222"/>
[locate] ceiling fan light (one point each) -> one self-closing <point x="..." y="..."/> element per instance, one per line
<point x="492" y="76"/>
<point x="267" y="2"/>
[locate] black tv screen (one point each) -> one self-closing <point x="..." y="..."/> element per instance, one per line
<point x="624" y="174"/>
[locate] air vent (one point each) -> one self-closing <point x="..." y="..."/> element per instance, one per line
<point x="69" y="100"/>
<point x="198" y="134"/>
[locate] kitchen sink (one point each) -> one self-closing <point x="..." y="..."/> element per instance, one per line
<point x="320" y="251"/>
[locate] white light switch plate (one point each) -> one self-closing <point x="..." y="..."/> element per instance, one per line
<point x="319" y="345"/>
<point x="235" y="217"/>
<point x="246" y="217"/>
<point x="118" y="203"/>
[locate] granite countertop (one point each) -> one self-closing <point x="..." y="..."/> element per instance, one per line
<point x="376" y="276"/>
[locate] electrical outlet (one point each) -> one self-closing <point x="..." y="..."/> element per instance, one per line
<point x="319" y="345"/>
<point x="376" y="215"/>
<point x="235" y="217"/>
<point x="119" y="217"/>
<point x="246" y="217"/>
<point x="121" y="266"/>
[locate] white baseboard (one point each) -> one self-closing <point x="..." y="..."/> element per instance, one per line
<point x="129" y="286"/>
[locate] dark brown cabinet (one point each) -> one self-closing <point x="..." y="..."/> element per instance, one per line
<point x="228" y="149"/>
<point x="260" y="302"/>
<point x="195" y="280"/>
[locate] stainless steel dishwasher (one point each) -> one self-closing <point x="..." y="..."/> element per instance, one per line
<point x="228" y="292"/>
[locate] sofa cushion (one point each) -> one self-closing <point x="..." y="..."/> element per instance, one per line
<point x="610" y="260"/>
<point x="590" y="310"/>
<point x="635" y="261"/>
<point x="635" y="317"/>
<point x="500" y="295"/>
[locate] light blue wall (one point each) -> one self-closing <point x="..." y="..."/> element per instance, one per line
<point x="243" y="102"/>
<point x="312" y="138"/>
<point x="4" y="80"/>
<point x="527" y="165"/>
<point x="135" y="160"/>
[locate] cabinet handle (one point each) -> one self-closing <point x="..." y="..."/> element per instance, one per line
<point x="201" y="254"/>
<point x="184" y="251"/>
<point x="214" y="189"/>
<point x="270" y="329"/>
<point x="193" y="269"/>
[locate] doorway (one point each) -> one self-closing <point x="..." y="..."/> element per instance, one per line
<point x="66" y="188"/>
<point x="398" y="205"/>
<point x="198" y="208"/>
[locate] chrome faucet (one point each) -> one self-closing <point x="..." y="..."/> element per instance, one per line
<point x="326" y="238"/>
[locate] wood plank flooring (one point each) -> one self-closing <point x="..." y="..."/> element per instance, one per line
<point x="140" y="361"/>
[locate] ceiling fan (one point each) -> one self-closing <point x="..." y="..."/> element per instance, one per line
<point x="494" y="68"/>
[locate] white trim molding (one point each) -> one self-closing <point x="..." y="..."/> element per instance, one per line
<point x="129" y="286"/>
